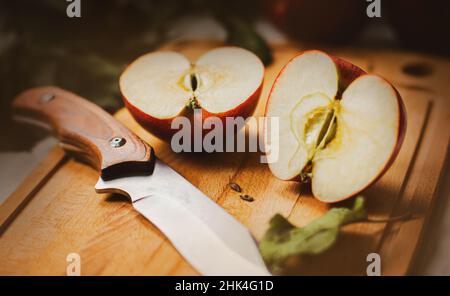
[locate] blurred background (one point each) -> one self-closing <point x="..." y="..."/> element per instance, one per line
<point x="41" y="45"/>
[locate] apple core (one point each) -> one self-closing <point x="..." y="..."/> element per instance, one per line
<point x="315" y="129"/>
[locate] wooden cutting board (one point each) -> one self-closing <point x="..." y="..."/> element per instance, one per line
<point x="56" y="210"/>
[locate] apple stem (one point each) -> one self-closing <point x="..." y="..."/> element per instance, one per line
<point x="192" y="104"/>
<point x="306" y="174"/>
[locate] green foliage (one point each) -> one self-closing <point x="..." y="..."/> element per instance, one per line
<point x="242" y="34"/>
<point x="283" y="240"/>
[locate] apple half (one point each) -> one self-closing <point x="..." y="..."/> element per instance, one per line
<point x="159" y="86"/>
<point x="340" y="128"/>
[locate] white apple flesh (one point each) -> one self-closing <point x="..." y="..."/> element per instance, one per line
<point x="339" y="127"/>
<point x="160" y="86"/>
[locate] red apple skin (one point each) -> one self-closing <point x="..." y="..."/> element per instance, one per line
<point x="347" y="74"/>
<point x="347" y="71"/>
<point x="402" y="124"/>
<point x="156" y="126"/>
<point x="162" y="127"/>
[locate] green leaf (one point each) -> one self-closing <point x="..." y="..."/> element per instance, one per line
<point x="283" y="240"/>
<point x="241" y="33"/>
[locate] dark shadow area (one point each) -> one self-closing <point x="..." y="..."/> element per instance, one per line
<point x="117" y="198"/>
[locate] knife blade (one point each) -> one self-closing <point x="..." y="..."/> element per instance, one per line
<point x="209" y="238"/>
<point x="212" y="240"/>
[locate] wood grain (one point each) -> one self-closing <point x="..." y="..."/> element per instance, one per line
<point x="85" y="129"/>
<point x="66" y="215"/>
<point x="38" y="177"/>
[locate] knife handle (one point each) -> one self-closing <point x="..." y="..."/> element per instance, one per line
<point x="86" y="129"/>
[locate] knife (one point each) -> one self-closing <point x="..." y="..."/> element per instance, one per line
<point x="209" y="238"/>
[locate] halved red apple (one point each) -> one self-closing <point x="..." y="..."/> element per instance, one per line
<point x="159" y="86"/>
<point x="340" y="128"/>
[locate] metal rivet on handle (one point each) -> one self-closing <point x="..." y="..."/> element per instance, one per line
<point x="117" y="142"/>
<point x="47" y="97"/>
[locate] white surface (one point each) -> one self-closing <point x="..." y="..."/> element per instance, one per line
<point x="15" y="166"/>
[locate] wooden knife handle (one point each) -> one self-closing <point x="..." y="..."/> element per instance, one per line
<point x="89" y="131"/>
